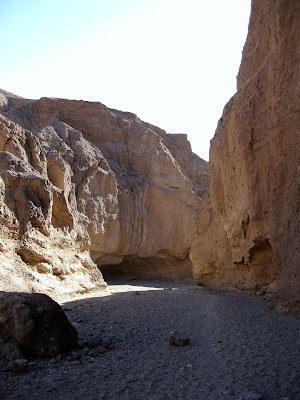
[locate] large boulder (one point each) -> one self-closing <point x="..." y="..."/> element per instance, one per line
<point x="33" y="325"/>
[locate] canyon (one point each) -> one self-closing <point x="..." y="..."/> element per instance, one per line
<point x="87" y="191"/>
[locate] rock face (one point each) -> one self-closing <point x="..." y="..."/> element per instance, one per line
<point x="43" y="248"/>
<point x="84" y="186"/>
<point x="33" y="325"/>
<point x="252" y="217"/>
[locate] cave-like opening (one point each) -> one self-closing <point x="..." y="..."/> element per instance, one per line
<point x="149" y="268"/>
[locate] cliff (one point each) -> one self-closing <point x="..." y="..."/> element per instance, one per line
<point x="252" y="217"/>
<point x="87" y="188"/>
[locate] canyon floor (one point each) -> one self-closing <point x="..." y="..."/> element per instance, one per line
<point x="239" y="349"/>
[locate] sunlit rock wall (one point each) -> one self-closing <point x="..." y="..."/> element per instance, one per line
<point x="87" y="186"/>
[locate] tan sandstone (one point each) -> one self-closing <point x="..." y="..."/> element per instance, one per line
<point x="251" y="238"/>
<point x="85" y="186"/>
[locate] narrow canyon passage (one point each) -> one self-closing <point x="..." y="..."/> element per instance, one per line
<point x="149" y="268"/>
<point x="238" y="348"/>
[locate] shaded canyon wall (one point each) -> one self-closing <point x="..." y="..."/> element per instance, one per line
<point x="251" y="238"/>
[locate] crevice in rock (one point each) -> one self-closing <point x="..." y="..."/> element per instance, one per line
<point x="245" y="225"/>
<point x="61" y="215"/>
<point x="261" y="250"/>
<point x="55" y="173"/>
<point x="32" y="257"/>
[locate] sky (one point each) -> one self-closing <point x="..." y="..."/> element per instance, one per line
<point x="172" y="62"/>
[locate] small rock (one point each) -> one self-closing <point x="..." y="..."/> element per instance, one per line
<point x="66" y="309"/>
<point x="94" y="342"/>
<point x="18" y="366"/>
<point x="252" y="396"/>
<point x="85" y="351"/>
<point x="76" y="357"/>
<point x="176" y="340"/>
<point x="87" y="359"/>
<point x="101" y="349"/>
<point x="108" y="343"/>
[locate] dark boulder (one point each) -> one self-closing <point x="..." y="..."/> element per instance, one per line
<point x="33" y="325"/>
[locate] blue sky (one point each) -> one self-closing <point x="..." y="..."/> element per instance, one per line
<point x="172" y="62"/>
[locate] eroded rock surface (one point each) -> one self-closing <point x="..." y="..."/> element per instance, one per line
<point x="250" y="227"/>
<point x="84" y="186"/>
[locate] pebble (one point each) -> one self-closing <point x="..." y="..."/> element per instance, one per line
<point x="66" y="309"/>
<point x="18" y="366"/>
<point x="94" y="342"/>
<point x="108" y="344"/>
<point x="101" y="349"/>
<point x="175" y="340"/>
<point x="76" y="357"/>
<point x="85" y="351"/>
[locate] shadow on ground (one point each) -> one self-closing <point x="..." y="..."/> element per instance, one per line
<point x="237" y="345"/>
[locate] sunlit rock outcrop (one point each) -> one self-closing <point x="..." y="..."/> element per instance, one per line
<point x="85" y="186"/>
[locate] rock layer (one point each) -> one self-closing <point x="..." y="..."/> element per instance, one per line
<point x="252" y="217"/>
<point x="84" y="186"/>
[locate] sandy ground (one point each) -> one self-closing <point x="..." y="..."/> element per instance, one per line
<point x="238" y="348"/>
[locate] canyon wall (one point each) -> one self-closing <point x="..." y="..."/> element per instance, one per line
<point x="250" y="226"/>
<point x="84" y="188"/>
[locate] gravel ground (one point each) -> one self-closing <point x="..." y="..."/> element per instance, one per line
<point x="238" y="348"/>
